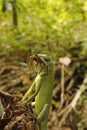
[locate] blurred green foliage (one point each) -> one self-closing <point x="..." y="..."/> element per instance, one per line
<point x="53" y="27"/>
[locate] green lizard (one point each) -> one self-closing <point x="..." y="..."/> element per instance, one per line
<point x="41" y="89"/>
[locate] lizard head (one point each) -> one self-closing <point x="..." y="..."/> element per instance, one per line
<point x="42" y="61"/>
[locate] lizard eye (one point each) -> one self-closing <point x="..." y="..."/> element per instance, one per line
<point x="47" y="59"/>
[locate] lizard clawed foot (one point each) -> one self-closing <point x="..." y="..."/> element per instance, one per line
<point x="25" y="102"/>
<point x="21" y="103"/>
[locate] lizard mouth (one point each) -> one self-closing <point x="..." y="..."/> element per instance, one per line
<point x="38" y="60"/>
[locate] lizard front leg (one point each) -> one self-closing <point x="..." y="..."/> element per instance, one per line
<point x="31" y="96"/>
<point x="30" y="91"/>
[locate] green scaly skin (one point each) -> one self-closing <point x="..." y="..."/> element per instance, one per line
<point x="41" y="90"/>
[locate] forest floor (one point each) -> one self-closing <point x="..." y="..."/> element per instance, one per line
<point x="68" y="109"/>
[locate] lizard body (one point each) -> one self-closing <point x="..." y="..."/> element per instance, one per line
<point x="41" y="90"/>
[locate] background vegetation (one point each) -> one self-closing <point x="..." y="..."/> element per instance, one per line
<point x="43" y="26"/>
